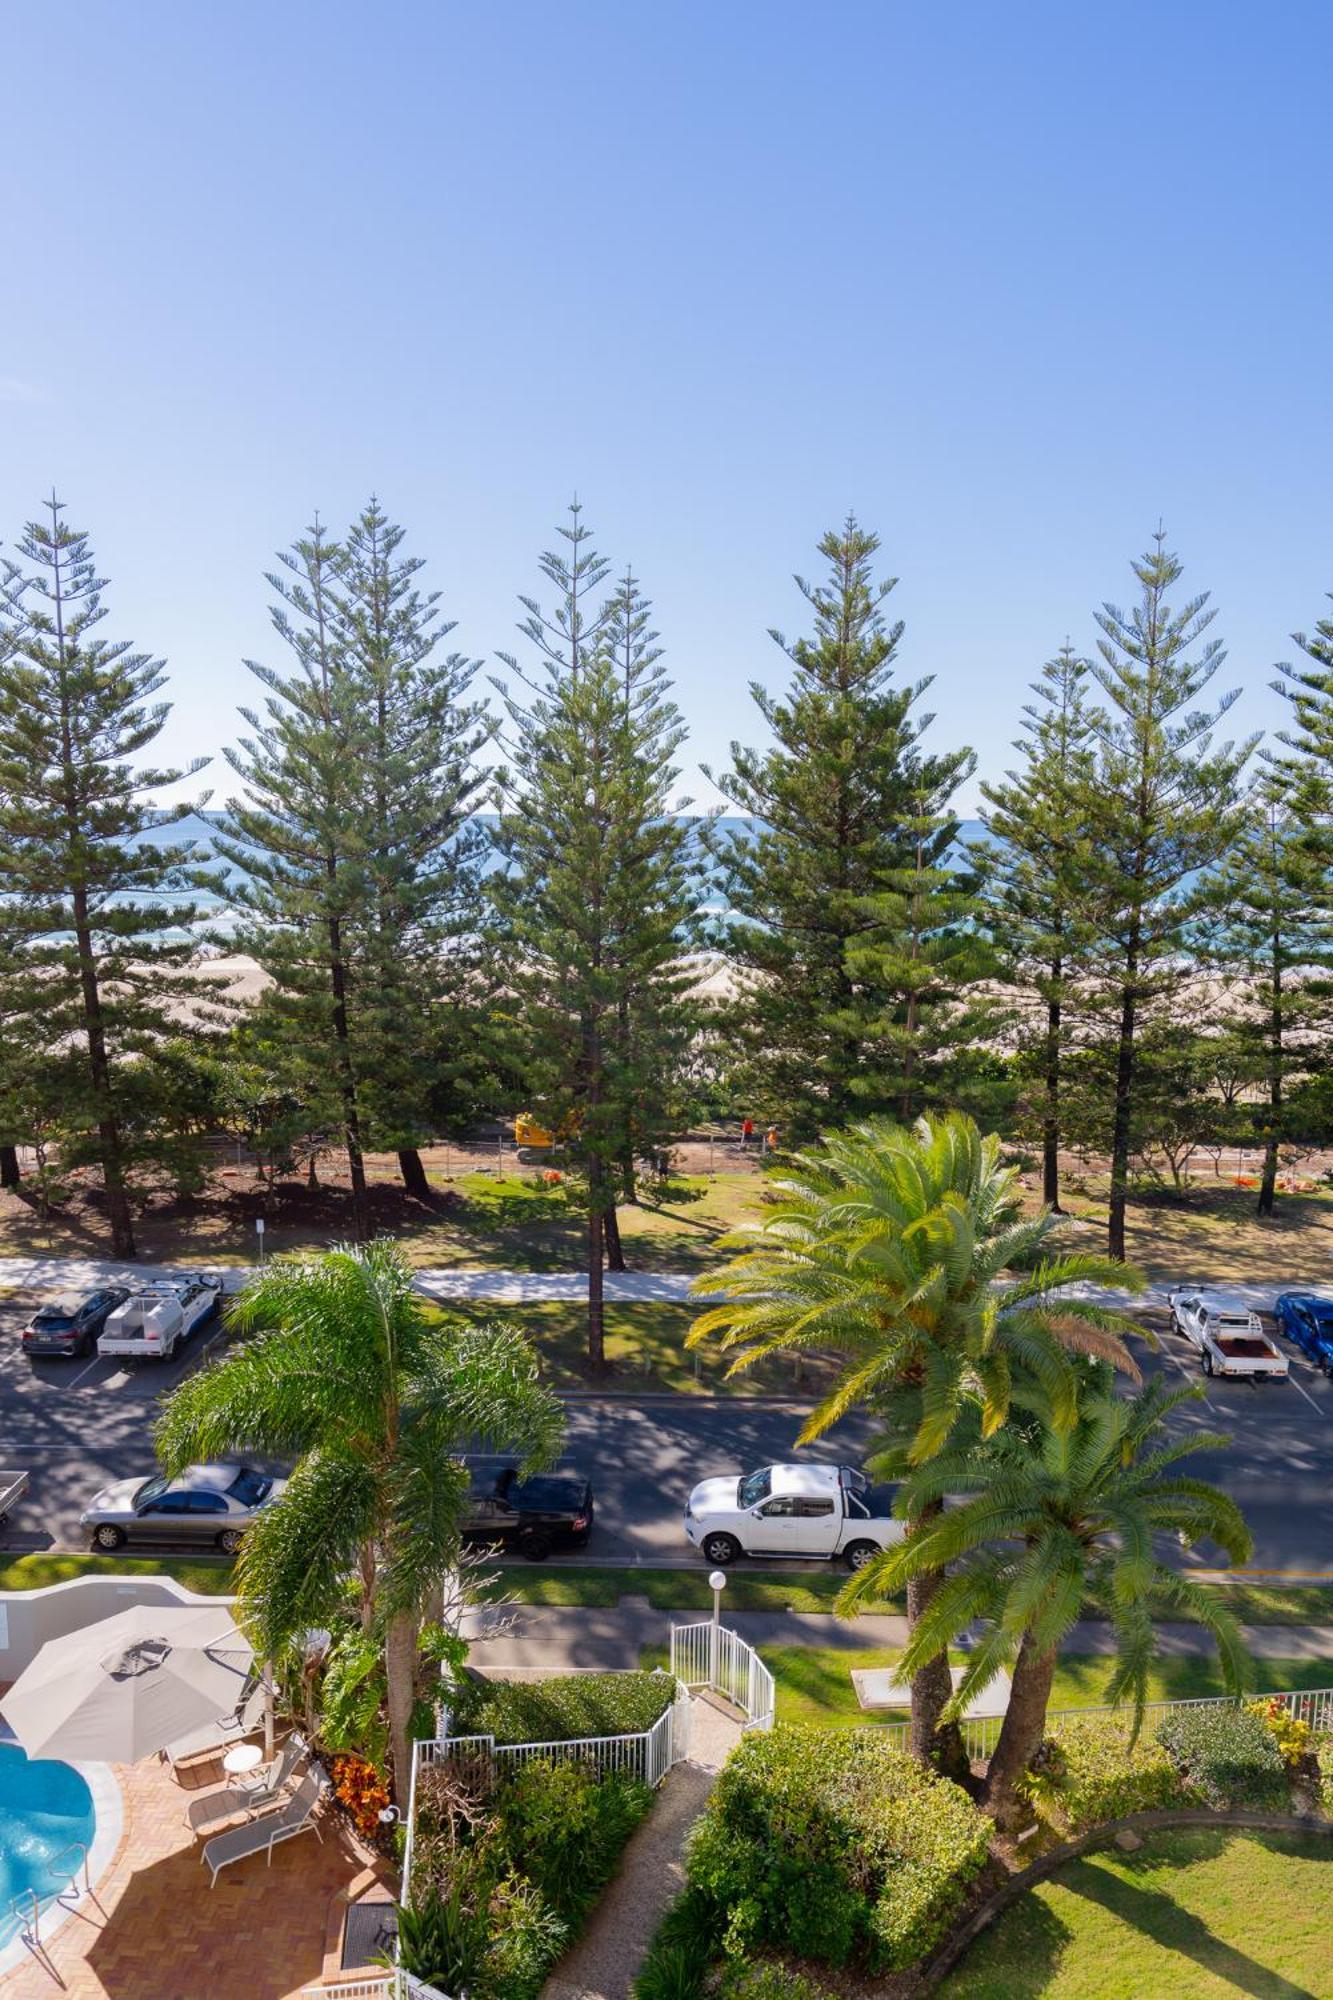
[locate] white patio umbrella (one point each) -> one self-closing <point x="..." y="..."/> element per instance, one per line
<point x="122" y="1688"/>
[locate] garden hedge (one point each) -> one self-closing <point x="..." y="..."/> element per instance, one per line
<point x="1091" y="1771"/>
<point x="562" y="1708"/>
<point x="1229" y="1756"/>
<point x="834" y="1846"/>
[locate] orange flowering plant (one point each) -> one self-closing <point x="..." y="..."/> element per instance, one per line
<point x="359" y="1786"/>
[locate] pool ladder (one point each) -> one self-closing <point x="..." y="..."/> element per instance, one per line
<point x="27" y="1908"/>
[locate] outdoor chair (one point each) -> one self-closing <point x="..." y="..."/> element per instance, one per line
<point x="215" y="1737"/>
<point x="261" y="1836"/>
<point x="213" y="1809"/>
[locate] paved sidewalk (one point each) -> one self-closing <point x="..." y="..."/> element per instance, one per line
<point x="606" y="1959"/>
<point x="546" y="1638"/>
<point x="513" y="1288"/>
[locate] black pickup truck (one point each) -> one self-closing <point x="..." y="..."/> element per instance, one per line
<point x="529" y="1516"/>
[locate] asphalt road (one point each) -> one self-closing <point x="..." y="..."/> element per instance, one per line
<point x="74" y="1425"/>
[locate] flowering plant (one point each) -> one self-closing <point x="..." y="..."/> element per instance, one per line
<point x="359" y="1786"/>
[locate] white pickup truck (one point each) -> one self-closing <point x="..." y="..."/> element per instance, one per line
<point x="792" y="1510"/>
<point x="152" y="1323"/>
<point x="1229" y="1336"/>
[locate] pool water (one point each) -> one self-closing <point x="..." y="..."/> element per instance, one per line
<point x="45" y="1808"/>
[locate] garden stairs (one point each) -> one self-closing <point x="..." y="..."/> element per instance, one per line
<point x="605" y="1961"/>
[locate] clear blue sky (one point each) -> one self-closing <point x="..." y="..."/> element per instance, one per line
<point x="1010" y="281"/>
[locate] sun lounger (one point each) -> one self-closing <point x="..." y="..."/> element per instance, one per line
<point x="262" y="1835"/>
<point x="215" y="1808"/>
<point x="215" y="1737"/>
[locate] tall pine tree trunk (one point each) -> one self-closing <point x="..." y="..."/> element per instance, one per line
<point x="615" y="1255"/>
<point x="356" y="1166"/>
<point x="1268" y="1182"/>
<point x="413" y="1173"/>
<point x="1050" y="1125"/>
<point x="1124" y="1105"/>
<point x="596" y="1230"/>
<point x="11" y="1175"/>
<point x="99" y="1071"/>
<point x="1020" y="1734"/>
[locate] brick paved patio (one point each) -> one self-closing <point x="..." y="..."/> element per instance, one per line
<point x="162" y="1934"/>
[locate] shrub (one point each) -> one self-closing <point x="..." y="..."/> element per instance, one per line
<point x="564" y="1829"/>
<point x="1291" y="1735"/>
<point x="494" y="1938"/>
<point x="563" y="1708"/>
<point x="1228" y="1755"/>
<point x="829" y="1844"/>
<point x="767" y="1981"/>
<point x="1090" y="1770"/>
<point x="687" y="1941"/>
<point x="1323" y="1750"/>
<point x="359" y="1786"/>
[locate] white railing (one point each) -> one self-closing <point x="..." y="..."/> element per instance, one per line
<point x="980" y="1733"/>
<point x="711" y="1655"/>
<point x="392" y="1984"/>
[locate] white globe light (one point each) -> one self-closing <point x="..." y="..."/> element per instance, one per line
<point x="718" y="1580"/>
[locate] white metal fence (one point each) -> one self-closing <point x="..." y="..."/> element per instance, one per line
<point x="980" y="1733"/>
<point x="711" y="1655"/>
<point x="391" y="1984"/>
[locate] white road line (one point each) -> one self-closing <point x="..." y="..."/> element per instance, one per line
<point x="84" y="1372"/>
<point x="1179" y="1365"/>
<point x="1304" y="1392"/>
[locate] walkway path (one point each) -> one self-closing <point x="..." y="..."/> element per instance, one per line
<point x="446" y="1283"/>
<point x="550" y="1638"/>
<point x="606" y="1959"/>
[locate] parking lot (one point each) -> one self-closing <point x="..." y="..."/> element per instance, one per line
<point x="73" y="1425"/>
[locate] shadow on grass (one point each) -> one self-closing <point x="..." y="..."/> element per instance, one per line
<point x="1158" y="1916"/>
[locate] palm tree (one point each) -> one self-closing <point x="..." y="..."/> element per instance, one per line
<point x="1060" y="1519"/>
<point x="905" y="1252"/>
<point x="345" y="1374"/>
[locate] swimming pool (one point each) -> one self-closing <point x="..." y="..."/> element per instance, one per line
<point x="45" y="1810"/>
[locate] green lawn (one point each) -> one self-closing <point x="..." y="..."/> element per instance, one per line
<point x="211" y="1579"/>
<point x="814" y="1683"/>
<point x="1197" y="1915"/>
<point x="674" y="1589"/>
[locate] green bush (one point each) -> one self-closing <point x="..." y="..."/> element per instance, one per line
<point x="1094" y="1775"/>
<point x="1228" y="1755"/>
<point x="681" y="1954"/>
<point x="563" y="1708"/>
<point x="1323" y="1749"/>
<point x="493" y="1938"/>
<point x="564" y="1828"/>
<point x="833" y="1845"/>
<point x="767" y="1981"/>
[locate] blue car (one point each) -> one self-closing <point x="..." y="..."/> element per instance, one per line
<point x="1307" y="1321"/>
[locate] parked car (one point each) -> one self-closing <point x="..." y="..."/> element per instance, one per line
<point x="1229" y="1336"/>
<point x="792" y="1510"/>
<point x="1307" y="1321"/>
<point x="152" y="1323"/>
<point x="206" y="1503"/>
<point x="532" y="1516"/>
<point x="70" y="1324"/>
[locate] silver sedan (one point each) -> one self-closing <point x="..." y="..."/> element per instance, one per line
<point x="211" y="1504"/>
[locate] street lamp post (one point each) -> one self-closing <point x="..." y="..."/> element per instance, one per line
<point x="259" y="1232"/>
<point x="717" y="1583"/>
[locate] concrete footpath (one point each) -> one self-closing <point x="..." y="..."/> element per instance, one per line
<point x="547" y="1638"/>
<point x="509" y="1288"/>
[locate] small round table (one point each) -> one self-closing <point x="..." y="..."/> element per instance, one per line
<point x="242" y="1759"/>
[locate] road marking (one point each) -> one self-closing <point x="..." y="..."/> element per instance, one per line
<point x="83" y="1372"/>
<point x="1304" y="1392"/>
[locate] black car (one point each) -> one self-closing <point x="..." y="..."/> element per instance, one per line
<point x="70" y="1325"/>
<point x="532" y="1516"/>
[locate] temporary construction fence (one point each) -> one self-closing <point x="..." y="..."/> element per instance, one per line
<point x="710" y="1655"/>
<point x="980" y="1732"/>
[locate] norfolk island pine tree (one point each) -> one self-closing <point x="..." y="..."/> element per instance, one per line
<point x="95" y="959"/>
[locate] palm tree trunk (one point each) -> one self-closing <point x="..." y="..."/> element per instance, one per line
<point x="940" y="1748"/>
<point x="1020" y="1733"/>
<point x="400" y="1664"/>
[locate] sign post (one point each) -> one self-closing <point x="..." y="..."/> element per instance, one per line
<point x="259" y="1232"/>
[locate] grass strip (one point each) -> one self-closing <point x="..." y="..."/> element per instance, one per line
<point x="36" y="1572"/>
